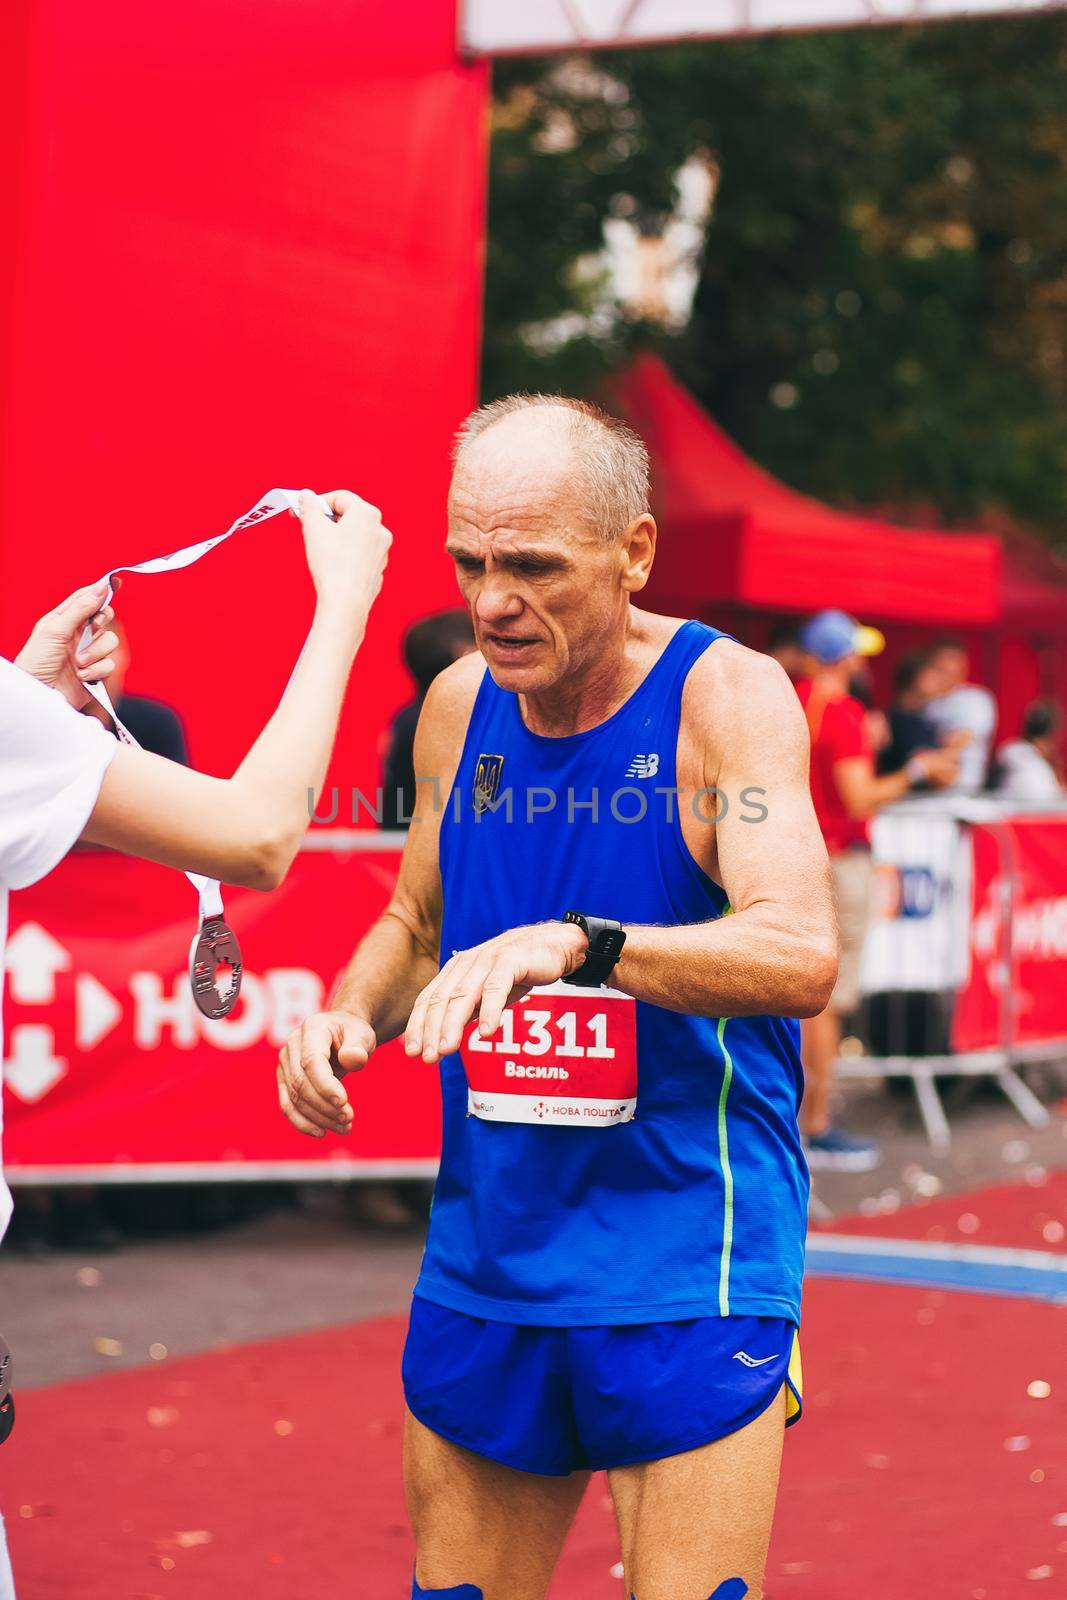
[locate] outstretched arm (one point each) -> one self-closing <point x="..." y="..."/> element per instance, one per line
<point x="247" y="829"/>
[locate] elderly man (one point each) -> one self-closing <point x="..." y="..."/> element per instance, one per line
<point x="612" y="1273"/>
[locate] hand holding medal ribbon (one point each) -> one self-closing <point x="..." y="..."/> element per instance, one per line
<point x="215" y="964"/>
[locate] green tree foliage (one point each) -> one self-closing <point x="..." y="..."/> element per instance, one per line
<point x="881" y="314"/>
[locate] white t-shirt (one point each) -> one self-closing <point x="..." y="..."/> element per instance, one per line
<point x="1024" y="775"/>
<point x="52" y="763"/>
<point x="968" y="709"/>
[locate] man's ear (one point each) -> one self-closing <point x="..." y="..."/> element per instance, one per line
<point x="638" y="550"/>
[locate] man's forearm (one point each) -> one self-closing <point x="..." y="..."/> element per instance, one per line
<point x="741" y="965"/>
<point x="384" y="978"/>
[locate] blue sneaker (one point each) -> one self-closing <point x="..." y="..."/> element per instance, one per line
<point x="840" y="1152"/>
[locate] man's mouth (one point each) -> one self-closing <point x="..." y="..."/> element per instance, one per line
<point x="507" y="644"/>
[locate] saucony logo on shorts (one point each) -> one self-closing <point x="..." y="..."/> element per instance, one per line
<point x="751" y="1361"/>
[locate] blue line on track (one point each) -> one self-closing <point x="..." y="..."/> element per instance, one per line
<point x="1018" y="1274"/>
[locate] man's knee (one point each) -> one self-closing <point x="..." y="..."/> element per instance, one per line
<point x="461" y="1591"/>
<point x="729" y="1589"/>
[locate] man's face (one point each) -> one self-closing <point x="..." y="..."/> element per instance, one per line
<point x="929" y="683"/>
<point x="948" y="669"/>
<point x="543" y="586"/>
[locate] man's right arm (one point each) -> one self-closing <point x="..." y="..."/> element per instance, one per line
<point x="864" y="793"/>
<point x="400" y="955"/>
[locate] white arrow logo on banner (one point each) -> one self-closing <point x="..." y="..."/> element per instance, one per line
<point x="32" y="1067"/>
<point x="33" y="958"/>
<point x="96" y="1011"/>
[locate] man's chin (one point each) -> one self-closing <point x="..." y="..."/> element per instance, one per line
<point x="524" y="672"/>
<point x="518" y="679"/>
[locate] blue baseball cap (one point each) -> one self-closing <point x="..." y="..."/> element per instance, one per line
<point x="830" y="636"/>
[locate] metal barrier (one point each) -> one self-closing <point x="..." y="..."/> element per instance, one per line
<point x="941" y="976"/>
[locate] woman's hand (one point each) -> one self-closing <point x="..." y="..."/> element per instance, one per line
<point x="346" y="558"/>
<point x="51" y="653"/>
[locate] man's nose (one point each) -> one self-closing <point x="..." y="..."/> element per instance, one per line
<point x="496" y="600"/>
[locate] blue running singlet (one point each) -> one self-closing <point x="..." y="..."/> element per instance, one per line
<point x="695" y="1205"/>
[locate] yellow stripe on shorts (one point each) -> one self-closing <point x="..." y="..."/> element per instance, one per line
<point x="794" y="1384"/>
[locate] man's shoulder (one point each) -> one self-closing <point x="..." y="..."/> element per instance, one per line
<point x="969" y="702"/>
<point x="731" y="664"/>
<point x="449" y="700"/>
<point x="733" y="690"/>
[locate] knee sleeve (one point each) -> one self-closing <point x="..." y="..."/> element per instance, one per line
<point x="460" y="1591"/>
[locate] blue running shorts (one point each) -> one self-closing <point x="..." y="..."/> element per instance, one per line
<point x="559" y="1400"/>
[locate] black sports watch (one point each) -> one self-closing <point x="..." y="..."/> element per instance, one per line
<point x="606" y="940"/>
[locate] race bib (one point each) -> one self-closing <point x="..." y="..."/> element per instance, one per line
<point x="564" y="1056"/>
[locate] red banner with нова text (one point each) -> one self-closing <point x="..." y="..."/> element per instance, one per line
<point x="109" y="1065"/>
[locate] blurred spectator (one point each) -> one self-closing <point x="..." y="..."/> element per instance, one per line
<point x="846" y="793"/>
<point x="915" y="683"/>
<point x="964" y="714"/>
<point x="784" y="646"/>
<point x="155" y="726"/>
<point x="861" y="688"/>
<point x="429" y="647"/>
<point x="1026" y="770"/>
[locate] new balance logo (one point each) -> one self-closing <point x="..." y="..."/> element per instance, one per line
<point x="751" y="1361"/>
<point x="643" y="766"/>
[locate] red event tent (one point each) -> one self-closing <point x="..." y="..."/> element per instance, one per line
<point x="734" y="534"/>
<point x="739" y="548"/>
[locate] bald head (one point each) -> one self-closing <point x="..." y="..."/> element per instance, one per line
<point x="560" y="442"/>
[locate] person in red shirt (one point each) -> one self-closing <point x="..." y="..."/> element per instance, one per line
<point x="846" y="793"/>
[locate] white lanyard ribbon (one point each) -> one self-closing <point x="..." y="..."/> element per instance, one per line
<point x="209" y="895"/>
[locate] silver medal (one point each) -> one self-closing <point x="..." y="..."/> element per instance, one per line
<point x="7" y="1399"/>
<point x="215" y="947"/>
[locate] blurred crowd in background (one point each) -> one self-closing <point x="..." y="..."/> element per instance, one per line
<point x="937" y="736"/>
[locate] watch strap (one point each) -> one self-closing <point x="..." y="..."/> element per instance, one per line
<point x="606" y="939"/>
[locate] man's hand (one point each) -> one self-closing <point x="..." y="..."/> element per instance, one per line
<point x="940" y="767"/>
<point x="51" y="652"/>
<point x="310" y="1068"/>
<point x="488" y="978"/>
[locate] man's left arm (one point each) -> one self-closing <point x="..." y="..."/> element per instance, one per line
<point x="776" y="954"/>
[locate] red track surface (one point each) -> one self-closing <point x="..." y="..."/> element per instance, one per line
<point x="273" y="1469"/>
<point x="1025" y="1216"/>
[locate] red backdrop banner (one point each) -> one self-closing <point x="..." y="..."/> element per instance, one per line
<point x="110" y="1066"/>
<point x="1016" y="993"/>
<point x="1039" y="929"/>
<point x="243" y="249"/>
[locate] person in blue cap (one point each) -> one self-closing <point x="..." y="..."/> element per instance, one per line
<point x="846" y="792"/>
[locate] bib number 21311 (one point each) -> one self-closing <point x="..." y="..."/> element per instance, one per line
<point x="564" y="1056"/>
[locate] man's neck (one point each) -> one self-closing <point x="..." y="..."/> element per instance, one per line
<point x="595" y="691"/>
<point x="832" y="680"/>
